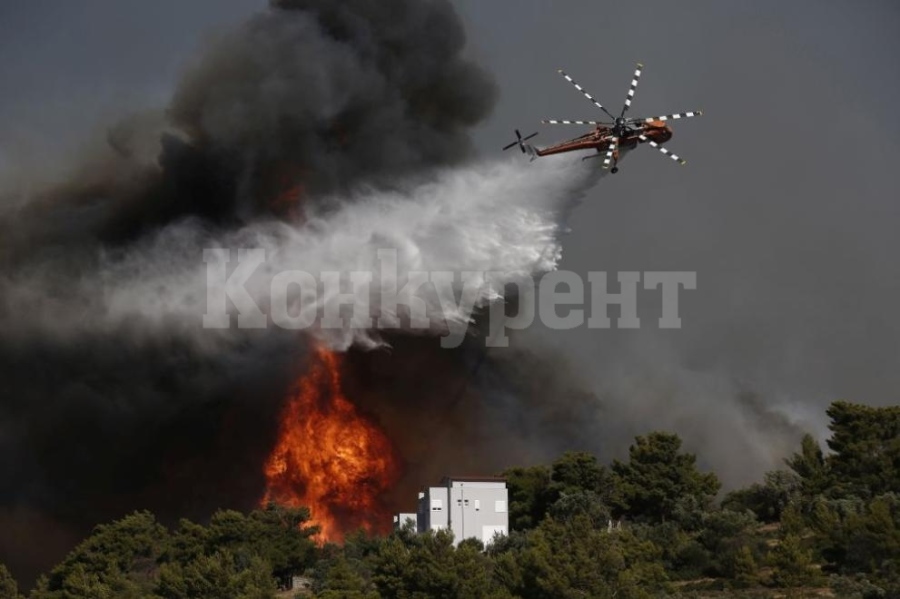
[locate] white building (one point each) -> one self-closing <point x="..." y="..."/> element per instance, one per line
<point x="470" y="507"/>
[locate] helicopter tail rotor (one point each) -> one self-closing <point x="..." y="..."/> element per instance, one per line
<point x="520" y="141"/>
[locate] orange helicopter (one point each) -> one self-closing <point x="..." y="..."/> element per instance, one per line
<point x="608" y="137"/>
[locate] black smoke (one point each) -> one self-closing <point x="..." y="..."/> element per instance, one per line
<point x="310" y="96"/>
<point x="99" y="417"/>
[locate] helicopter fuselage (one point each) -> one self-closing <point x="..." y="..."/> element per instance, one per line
<point x="599" y="139"/>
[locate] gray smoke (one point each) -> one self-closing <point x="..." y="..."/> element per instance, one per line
<point x="98" y="415"/>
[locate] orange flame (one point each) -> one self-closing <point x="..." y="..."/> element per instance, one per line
<point x="329" y="457"/>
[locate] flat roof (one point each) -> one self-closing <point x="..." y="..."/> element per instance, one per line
<point x="472" y="479"/>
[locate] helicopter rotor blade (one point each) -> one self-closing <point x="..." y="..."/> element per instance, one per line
<point x="634" y="83"/>
<point x="663" y="150"/>
<point x="567" y="122"/>
<point x="677" y="115"/>
<point x="585" y="93"/>
<point x="613" y="146"/>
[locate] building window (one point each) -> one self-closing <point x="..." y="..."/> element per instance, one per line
<point x="437" y="505"/>
<point x="500" y="506"/>
<point x="477" y="505"/>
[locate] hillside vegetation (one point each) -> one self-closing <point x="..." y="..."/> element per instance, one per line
<point x="828" y="524"/>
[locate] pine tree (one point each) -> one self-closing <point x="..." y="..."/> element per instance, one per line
<point x="792" y="564"/>
<point x="744" y="571"/>
<point x="8" y="587"/>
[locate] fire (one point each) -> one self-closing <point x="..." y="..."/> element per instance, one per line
<point x="329" y="457"/>
<point x="289" y="199"/>
<point x="290" y="191"/>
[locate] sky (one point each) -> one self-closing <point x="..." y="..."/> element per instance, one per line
<point x="787" y="208"/>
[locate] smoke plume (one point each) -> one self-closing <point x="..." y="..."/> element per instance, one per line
<point x="321" y="132"/>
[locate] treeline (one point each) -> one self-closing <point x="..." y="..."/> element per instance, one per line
<point x="826" y="525"/>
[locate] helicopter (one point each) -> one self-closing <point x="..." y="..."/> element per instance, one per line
<point x="607" y="138"/>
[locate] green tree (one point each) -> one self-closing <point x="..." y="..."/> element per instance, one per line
<point x="360" y="544"/>
<point x="186" y="543"/>
<point x="744" y="571"/>
<point x="530" y="495"/>
<point x="117" y="560"/>
<point x="792" y="564"/>
<point x="581" y="503"/>
<point x="859" y="587"/>
<point x="282" y="536"/>
<point x="428" y="565"/>
<point x="809" y="465"/>
<point x="866" y="446"/>
<point x="9" y="589"/>
<point x="343" y="578"/>
<point x="768" y="500"/>
<point x="574" y="559"/>
<point x="278" y="535"/>
<point x="219" y="575"/>
<point x="657" y="477"/>
<point x="347" y="570"/>
<point x="724" y="534"/>
<point x="859" y="536"/>
<point x="423" y="568"/>
<point x="79" y="583"/>
<point x="391" y="566"/>
<point x="681" y="554"/>
<point x="579" y="471"/>
<point x="473" y="569"/>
